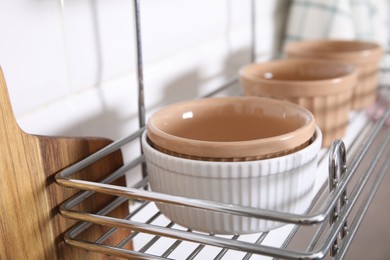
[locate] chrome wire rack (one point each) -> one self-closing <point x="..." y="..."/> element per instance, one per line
<point x="334" y="215"/>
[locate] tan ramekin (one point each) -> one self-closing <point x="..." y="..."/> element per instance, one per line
<point x="364" y="55"/>
<point x="324" y="87"/>
<point x="231" y="128"/>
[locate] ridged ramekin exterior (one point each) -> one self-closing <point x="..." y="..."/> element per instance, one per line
<point x="366" y="60"/>
<point x="282" y="184"/>
<point x="365" y="91"/>
<point x="366" y="88"/>
<point x="330" y="111"/>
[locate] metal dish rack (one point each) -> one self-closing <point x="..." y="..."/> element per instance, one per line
<point x="330" y="216"/>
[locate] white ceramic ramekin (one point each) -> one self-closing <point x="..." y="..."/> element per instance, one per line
<point x="283" y="184"/>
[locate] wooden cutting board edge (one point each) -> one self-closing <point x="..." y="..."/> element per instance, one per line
<point x="30" y="225"/>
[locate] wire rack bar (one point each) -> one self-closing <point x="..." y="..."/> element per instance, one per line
<point x="320" y="230"/>
<point x="360" y="214"/>
<point x="140" y="71"/>
<point x="108" y="250"/>
<point x="192" y="237"/>
<point x="154" y="239"/>
<point x="253" y="31"/>
<point x="111" y="231"/>
<point x="339" y="223"/>
<point x="221" y="242"/>
<point x="196" y="252"/>
<point x="322" y="227"/>
<point x="173" y="247"/>
<point x="358" y="188"/>
<point x="202" y="239"/>
<point x="306" y="219"/>
<point x="258" y="242"/>
<point x="313" y="203"/>
<point x="254" y="248"/>
<point x="224" y="250"/>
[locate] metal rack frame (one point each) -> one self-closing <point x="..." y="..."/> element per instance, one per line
<point x="335" y="209"/>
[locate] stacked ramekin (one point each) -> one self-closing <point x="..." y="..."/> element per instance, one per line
<point x="246" y="151"/>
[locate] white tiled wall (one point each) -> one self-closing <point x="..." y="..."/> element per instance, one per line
<point x="70" y="64"/>
<point x="32" y="53"/>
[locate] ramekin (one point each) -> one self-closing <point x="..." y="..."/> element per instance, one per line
<point x="282" y="184"/>
<point x="365" y="56"/>
<point x="231" y="128"/>
<point x="324" y="87"/>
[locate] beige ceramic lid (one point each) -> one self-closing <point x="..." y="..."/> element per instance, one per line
<point x="300" y="77"/>
<point x="354" y="51"/>
<point x="231" y="127"/>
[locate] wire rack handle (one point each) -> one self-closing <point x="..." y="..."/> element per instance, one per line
<point x="337" y="169"/>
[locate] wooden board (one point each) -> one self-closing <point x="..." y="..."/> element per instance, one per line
<point x="30" y="225"/>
